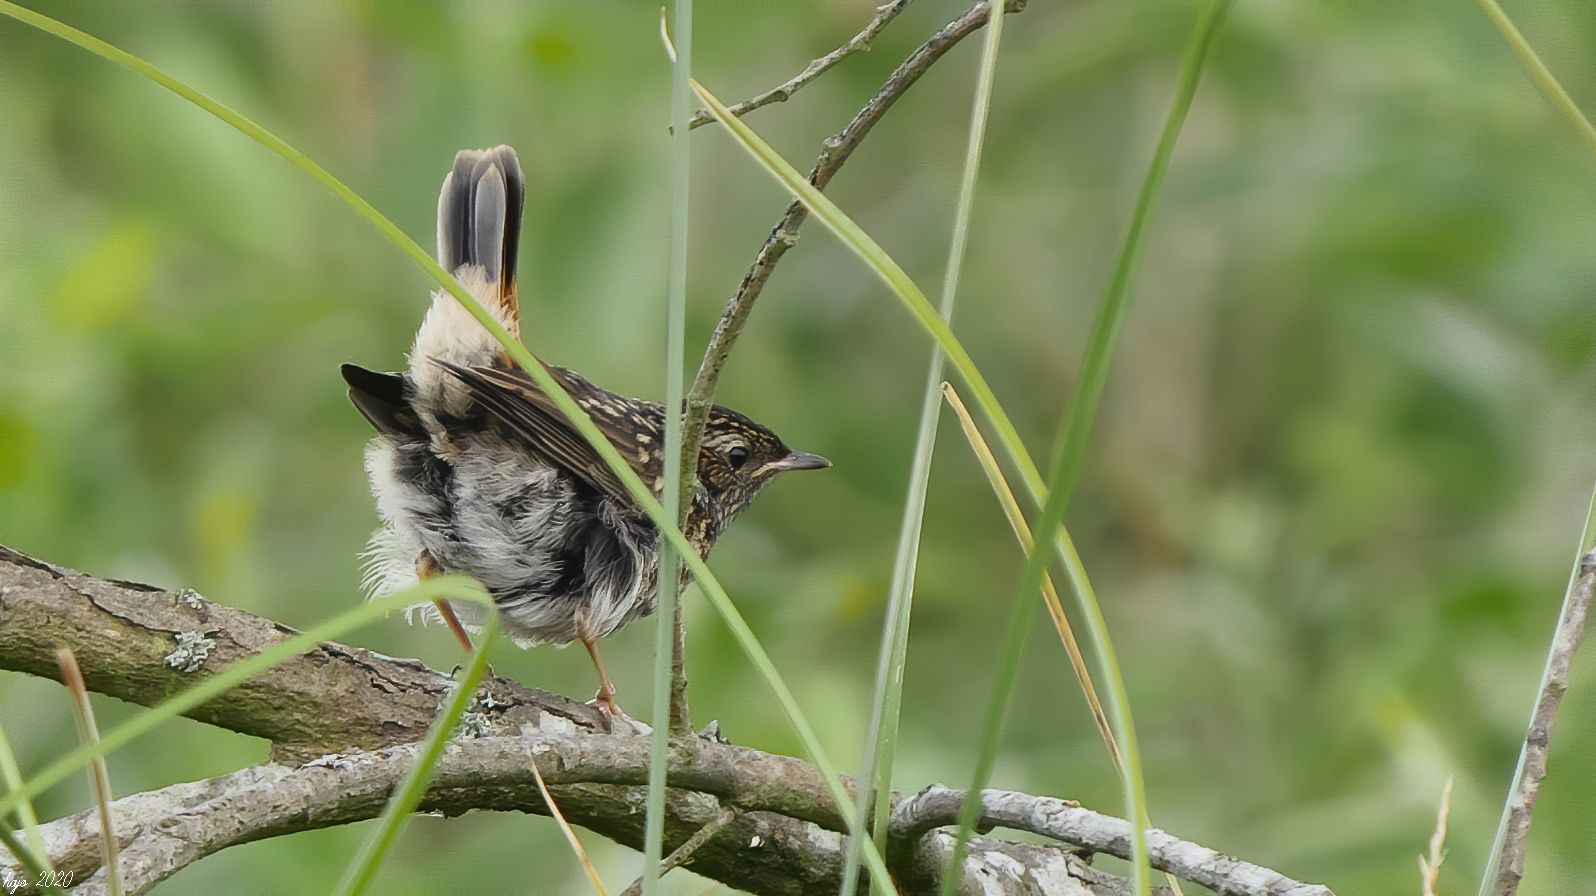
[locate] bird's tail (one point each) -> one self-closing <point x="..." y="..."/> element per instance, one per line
<point x="479" y="229"/>
<point x="479" y="221"/>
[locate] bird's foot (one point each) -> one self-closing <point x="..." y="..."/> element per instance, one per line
<point x="610" y="712"/>
<point x="487" y="672"/>
<point x="607" y="703"/>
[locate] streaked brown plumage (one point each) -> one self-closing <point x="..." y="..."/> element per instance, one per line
<point x="476" y="471"/>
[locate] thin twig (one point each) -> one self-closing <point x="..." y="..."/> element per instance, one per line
<point x="781" y="93"/>
<point x="684" y="852"/>
<point x="570" y="835"/>
<point x="1531" y="771"/>
<point x="1430" y="868"/>
<point x="834" y="152"/>
<point x="99" y="775"/>
<point x="1067" y="822"/>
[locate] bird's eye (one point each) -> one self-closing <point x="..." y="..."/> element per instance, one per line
<point x="737" y="456"/>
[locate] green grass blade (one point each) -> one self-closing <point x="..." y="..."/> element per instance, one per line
<point x="452" y="587"/>
<point x="878" y="261"/>
<point x="11" y="774"/>
<point x="1022" y="533"/>
<point x="882" y="265"/>
<point x="875" y="774"/>
<point x="1022" y="620"/>
<point x="1539" y="73"/>
<point x="407" y="795"/>
<point x="640" y="494"/>
<point x="30" y="853"/>
<point x="1110" y="319"/>
<point x="1066" y="472"/>
<point x="37" y="867"/>
<point x="666" y="618"/>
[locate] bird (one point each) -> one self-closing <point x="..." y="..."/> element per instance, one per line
<point x="475" y="470"/>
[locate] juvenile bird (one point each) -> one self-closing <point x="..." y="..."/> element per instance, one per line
<point x="476" y="471"/>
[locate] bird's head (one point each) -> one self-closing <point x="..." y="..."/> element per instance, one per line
<point x="739" y="457"/>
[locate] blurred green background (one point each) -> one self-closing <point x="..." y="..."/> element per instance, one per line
<point x="1330" y="504"/>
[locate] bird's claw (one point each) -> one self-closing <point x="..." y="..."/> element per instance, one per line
<point x="487" y="672"/>
<point x="610" y="711"/>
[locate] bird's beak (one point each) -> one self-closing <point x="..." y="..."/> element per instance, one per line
<point x="799" y="460"/>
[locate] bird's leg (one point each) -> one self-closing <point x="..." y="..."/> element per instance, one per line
<point x="428" y="568"/>
<point x="605" y="698"/>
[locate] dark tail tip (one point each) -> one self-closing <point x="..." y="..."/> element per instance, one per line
<point x="479" y="213"/>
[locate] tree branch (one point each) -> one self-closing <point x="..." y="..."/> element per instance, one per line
<point x="143" y="644"/>
<point x="360" y="713"/>
<point x="166" y="829"/>
<point x="1531" y="771"/>
<point x="1067" y="822"/>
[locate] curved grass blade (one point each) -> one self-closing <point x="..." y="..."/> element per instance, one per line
<point x="668" y="617"/>
<point x="1065" y="472"/>
<point x="1539" y="73"/>
<point x="1055" y="607"/>
<point x="880" y="750"/>
<point x="1110" y="320"/>
<point x="11" y="774"/>
<point x="884" y="267"/>
<point x="1022" y="533"/>
<point x="888" y="270"/>
<point x="32" y="855"/>
<point x="1051" y="523"/>
<point x="407" y="795"/>
<point x="1021" y="620"/>
<point x="452" y="587"/>
<point x="574" y="413"/>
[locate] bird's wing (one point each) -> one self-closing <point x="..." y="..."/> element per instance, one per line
<point x="633" y="427"/>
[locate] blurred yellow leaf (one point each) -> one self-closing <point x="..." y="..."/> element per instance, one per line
<point x="18" y="445"/>
<point x="222" y="527"/>
<point x="109" y="281"/>
<point x="551" y="47"/>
